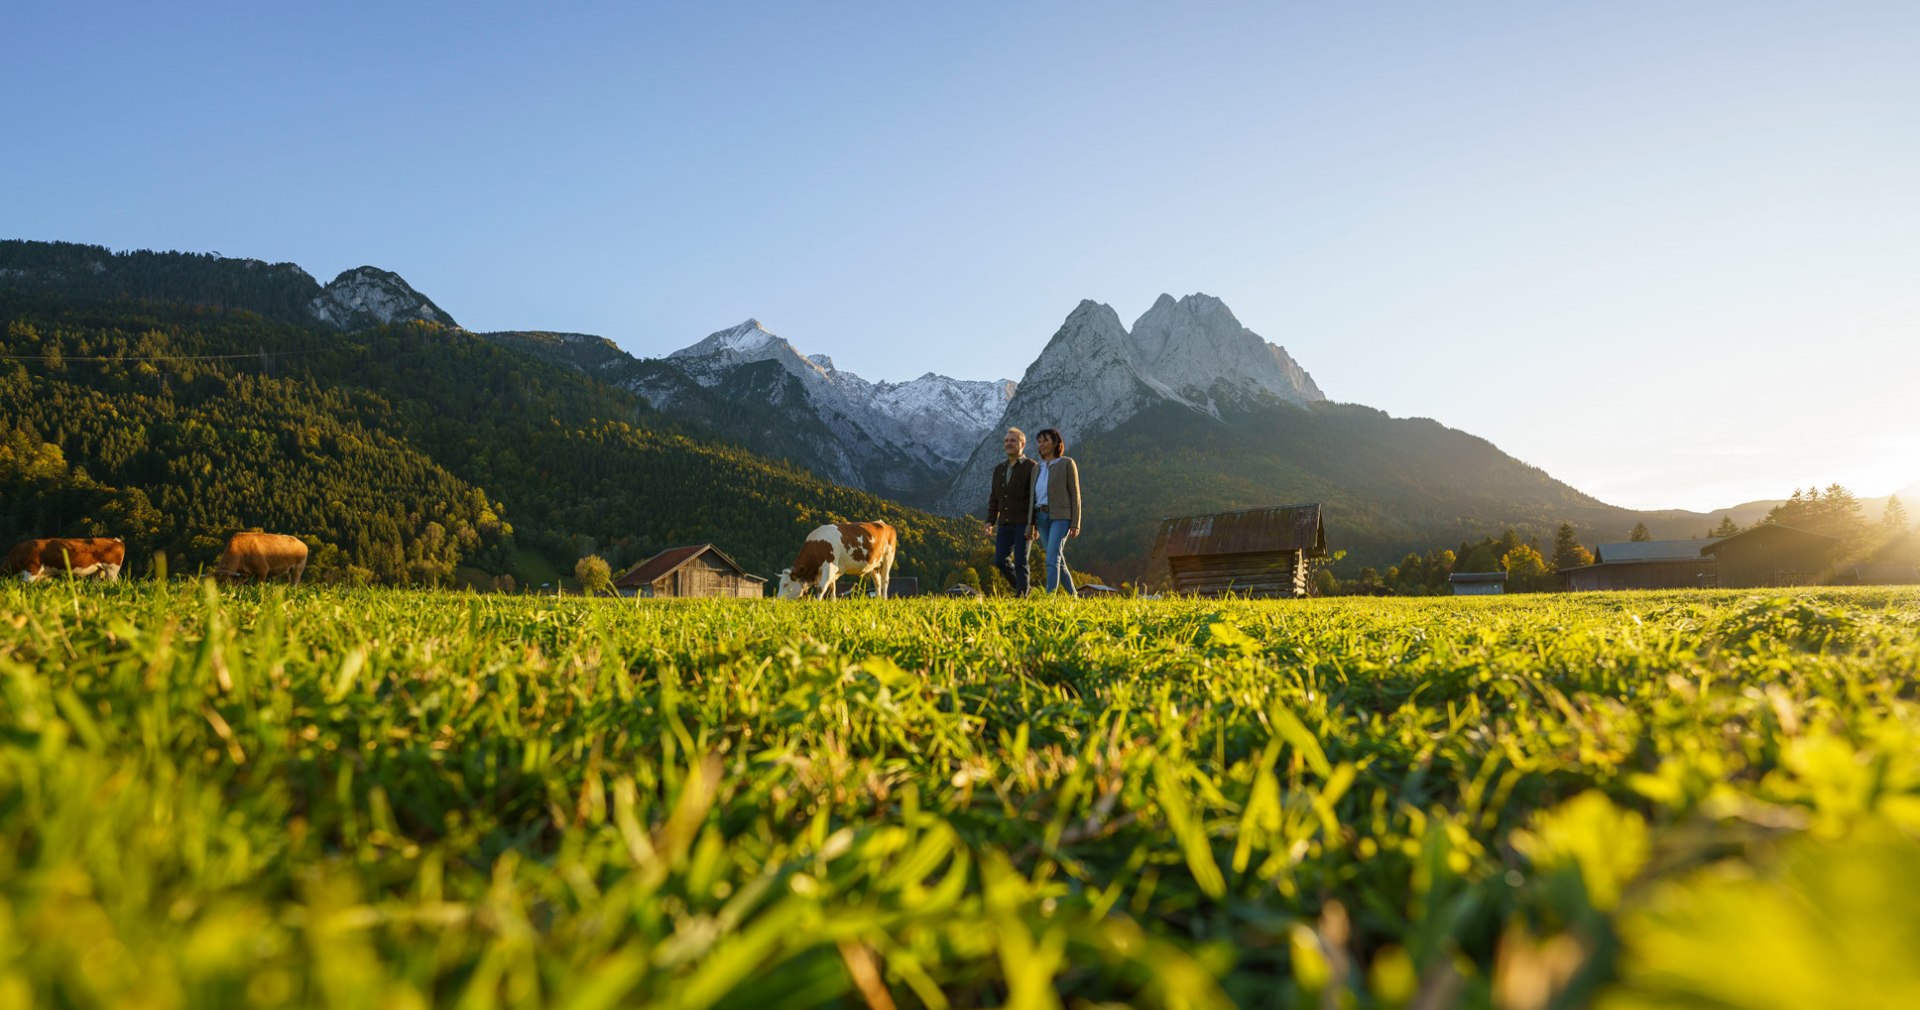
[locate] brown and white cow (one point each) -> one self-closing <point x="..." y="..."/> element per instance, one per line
<point x="33" y="560"/>
<point x="262" y="556"/>
<point x="840" y="549"/>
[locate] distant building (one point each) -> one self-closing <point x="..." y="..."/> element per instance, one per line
<point x="1774" y="555"/>
<point x="1097" y="589"/>
<point x="898" y="587"/>
<point x="1478" y="583"/>
<point x="698" y="570"/>
<point x="1895" y="562"/>
<point x="1645" y="564"/>
<point x="962" y="589"/>
<point x="1251" y="552"/>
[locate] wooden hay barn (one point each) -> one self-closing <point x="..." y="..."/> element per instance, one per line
<point x="1252" y="552"/>
<point x="1645" y="564"/>
<point x="698" y="570"/>
<point x="1774" y="555"/>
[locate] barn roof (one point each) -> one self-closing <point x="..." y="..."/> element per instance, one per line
<point x="1649" y="550"/>
<point x="1770" y="531"/>
<point x="1247" y="531"/>
<point x="672" y="559"/>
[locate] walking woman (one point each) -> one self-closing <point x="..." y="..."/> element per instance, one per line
<point x="1056" y="506"/>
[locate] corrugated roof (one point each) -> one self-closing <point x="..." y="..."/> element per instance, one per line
<point x="1477" y="577"/>
<point x="1649" y="550"/>
<point x="1248" y="531"/>
<point x="671" y="559"/>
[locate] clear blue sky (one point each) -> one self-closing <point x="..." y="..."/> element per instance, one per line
<point x="1668" y="252"/>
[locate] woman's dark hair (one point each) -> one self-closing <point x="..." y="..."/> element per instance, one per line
<point x="1059" y="440"/>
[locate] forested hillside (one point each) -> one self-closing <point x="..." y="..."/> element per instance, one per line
<point x="278" y="291"/>
<point x="1389" y="485"/>
<point x="403" y="454"/>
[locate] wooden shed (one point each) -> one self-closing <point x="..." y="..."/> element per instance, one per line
<point x="699" y="570"/>
<point x="1478" y="583"/>
<point x="898" y="588"/>
<point x="1251" y="552"/>
<point x="1774" y="555"/>
<point x="1645" y="564"/>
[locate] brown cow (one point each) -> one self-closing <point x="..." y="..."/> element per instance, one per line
<point x="262" y="556"/>
<point x="840" y="549"/>
<point x="33" y="560"/>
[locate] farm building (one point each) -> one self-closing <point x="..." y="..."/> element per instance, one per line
<point x="1894" y="562"/>
<point x="898" y="587"/>
<point x="1645" y="564"/>
<point x="1774" y="555"/>
<point x="1252" y="552"/>
<point x="1478" y="583"/>
<point x="699" y="570"/>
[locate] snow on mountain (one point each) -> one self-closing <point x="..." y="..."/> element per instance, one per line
<point x="748" y="341"/>
<point x="883" y="432"/>
<point x="369" y="296"/>
<point x="947" y="415"/>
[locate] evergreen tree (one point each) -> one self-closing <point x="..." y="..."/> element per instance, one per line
<point x="1726" y="528"/>
<point x="1567" y="551"/>
<point x="1640" y="533"/>
<point x="1893" y="519"/>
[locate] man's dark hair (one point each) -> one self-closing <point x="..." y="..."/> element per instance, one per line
<point x="1059" y="440"/>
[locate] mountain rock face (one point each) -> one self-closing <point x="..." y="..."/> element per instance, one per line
<point x="365" y="297"/>
<point x="897" y="438"/>
<point x="1197" y="348"/>
<point x="1095" y="375"/>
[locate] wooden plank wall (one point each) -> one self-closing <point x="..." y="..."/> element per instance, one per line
<point x="1272" y="573"/>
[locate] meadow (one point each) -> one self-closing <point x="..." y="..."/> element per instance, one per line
<point x="395" y="799"/>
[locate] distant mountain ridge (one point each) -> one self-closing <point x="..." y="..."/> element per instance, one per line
<point x="357" y="299"/>
<point x="748" y="384"/>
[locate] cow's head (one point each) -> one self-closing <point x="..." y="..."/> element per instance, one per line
<point x="790" y="588"/>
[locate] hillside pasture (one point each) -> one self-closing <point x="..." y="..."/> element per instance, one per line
<point x="386" y="798"/>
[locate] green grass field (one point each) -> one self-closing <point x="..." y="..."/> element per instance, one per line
<point x="381" y="798"/>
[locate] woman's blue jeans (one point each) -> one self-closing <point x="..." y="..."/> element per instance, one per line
<point x="1054" y="533"/>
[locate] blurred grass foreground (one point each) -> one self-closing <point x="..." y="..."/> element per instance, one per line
<point x="394" y="799"/>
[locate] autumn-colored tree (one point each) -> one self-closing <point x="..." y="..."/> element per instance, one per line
<point x="593" y="574"/>
<point x="1526" y="569"/>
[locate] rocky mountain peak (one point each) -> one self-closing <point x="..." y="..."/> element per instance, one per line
<point x="1095" y="374"/>
<point x="748" y="338"/>
<point x="369" y="296"/>
<point x="1199" y="349"/>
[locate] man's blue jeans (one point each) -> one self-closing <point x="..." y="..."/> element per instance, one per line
<point x="1010" y="554"/>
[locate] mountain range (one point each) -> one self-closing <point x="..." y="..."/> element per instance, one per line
<point x="1186" y="411"/>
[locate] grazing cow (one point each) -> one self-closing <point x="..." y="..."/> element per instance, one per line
<point x="33" y="560"/>
<point x="262" y="556"/>
<point x="840" y="549"/>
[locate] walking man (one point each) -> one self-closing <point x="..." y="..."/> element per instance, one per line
<point x="1010" y="511"/>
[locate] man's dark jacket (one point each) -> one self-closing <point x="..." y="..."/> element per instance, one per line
<point x="1012" y="501"/>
